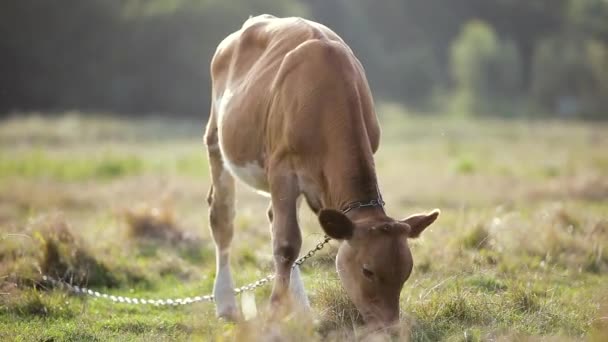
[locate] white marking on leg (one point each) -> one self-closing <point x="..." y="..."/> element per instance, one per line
<point x="250" y="309"/>
<point x="296" y="287"/>
<point x="225" y="299"/>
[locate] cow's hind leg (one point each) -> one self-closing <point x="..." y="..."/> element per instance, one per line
<point x="221" y="217"/>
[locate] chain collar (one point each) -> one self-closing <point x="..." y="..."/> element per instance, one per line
<point x="376" y="202"/>
<point x="355" y="205"/>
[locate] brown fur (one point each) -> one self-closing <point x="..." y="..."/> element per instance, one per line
<point x="293" y="115"/>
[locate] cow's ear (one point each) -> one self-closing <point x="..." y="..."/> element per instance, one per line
<point x="418" y="222"/>
<point x="335" y="224"/>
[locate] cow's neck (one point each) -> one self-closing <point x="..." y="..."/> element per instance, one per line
<point x="351" y="177"/>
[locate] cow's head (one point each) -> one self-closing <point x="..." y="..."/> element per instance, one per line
<point x="374" y="259"/>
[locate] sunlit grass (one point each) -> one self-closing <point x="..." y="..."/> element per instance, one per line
<point x="38" y="164"/>
<point x="73" y="166"/>
<point x="519" y="250"/>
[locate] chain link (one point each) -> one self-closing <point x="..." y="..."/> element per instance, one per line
<point x="355" y="205"/>
<point x="312" y="252"/>
<point x="176" y="301"/>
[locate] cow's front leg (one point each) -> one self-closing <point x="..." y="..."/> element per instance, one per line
<point x="296" y="286"/>
<point x="286" y="236"/>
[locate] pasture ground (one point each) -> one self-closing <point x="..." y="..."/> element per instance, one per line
<point x="520" y="250"/>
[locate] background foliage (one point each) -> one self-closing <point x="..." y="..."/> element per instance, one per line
<point x="483" y="57"/>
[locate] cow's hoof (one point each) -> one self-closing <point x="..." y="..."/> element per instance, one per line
<point x="229" y="314"/>
<point x="280" y="306"/>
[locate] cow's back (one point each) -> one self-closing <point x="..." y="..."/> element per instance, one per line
<point x="275" y="81"/>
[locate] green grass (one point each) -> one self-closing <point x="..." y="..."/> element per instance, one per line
<point x="518" y="252"/>
<point x="98" y="166"/>
<point x="38" y="164"/>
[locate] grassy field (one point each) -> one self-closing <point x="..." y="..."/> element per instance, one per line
<point x="520" y="250"/>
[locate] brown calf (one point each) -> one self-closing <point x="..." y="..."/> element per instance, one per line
<point x="292" y="116"/>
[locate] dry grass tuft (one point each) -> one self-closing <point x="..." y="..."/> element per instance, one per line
<point x="36" y="304"/>
<point x="47" y="246"/>
<point x="476" y="237"/>
<point x="599" y="325"/>
<point x="525" y="299"/>
<point x="591" y="188"/>
<point x="145" y="221"/>
<point x="597" y="257"/>
<point x="339" y="311"/>
<point x="558" y="235"/>
<point x="271" y="326"/>
<point x="64" y="256"/>
<point x="340" y="321"/>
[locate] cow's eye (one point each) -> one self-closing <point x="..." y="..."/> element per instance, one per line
<point x="367" y="273"/>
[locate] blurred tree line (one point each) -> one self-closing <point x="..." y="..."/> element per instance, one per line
<point x="466" y="57"/>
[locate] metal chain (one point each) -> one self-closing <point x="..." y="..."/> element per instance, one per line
<point x="312" y="252"/>
<point x="355" y="205"/>
<point x="176" y="301"/>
